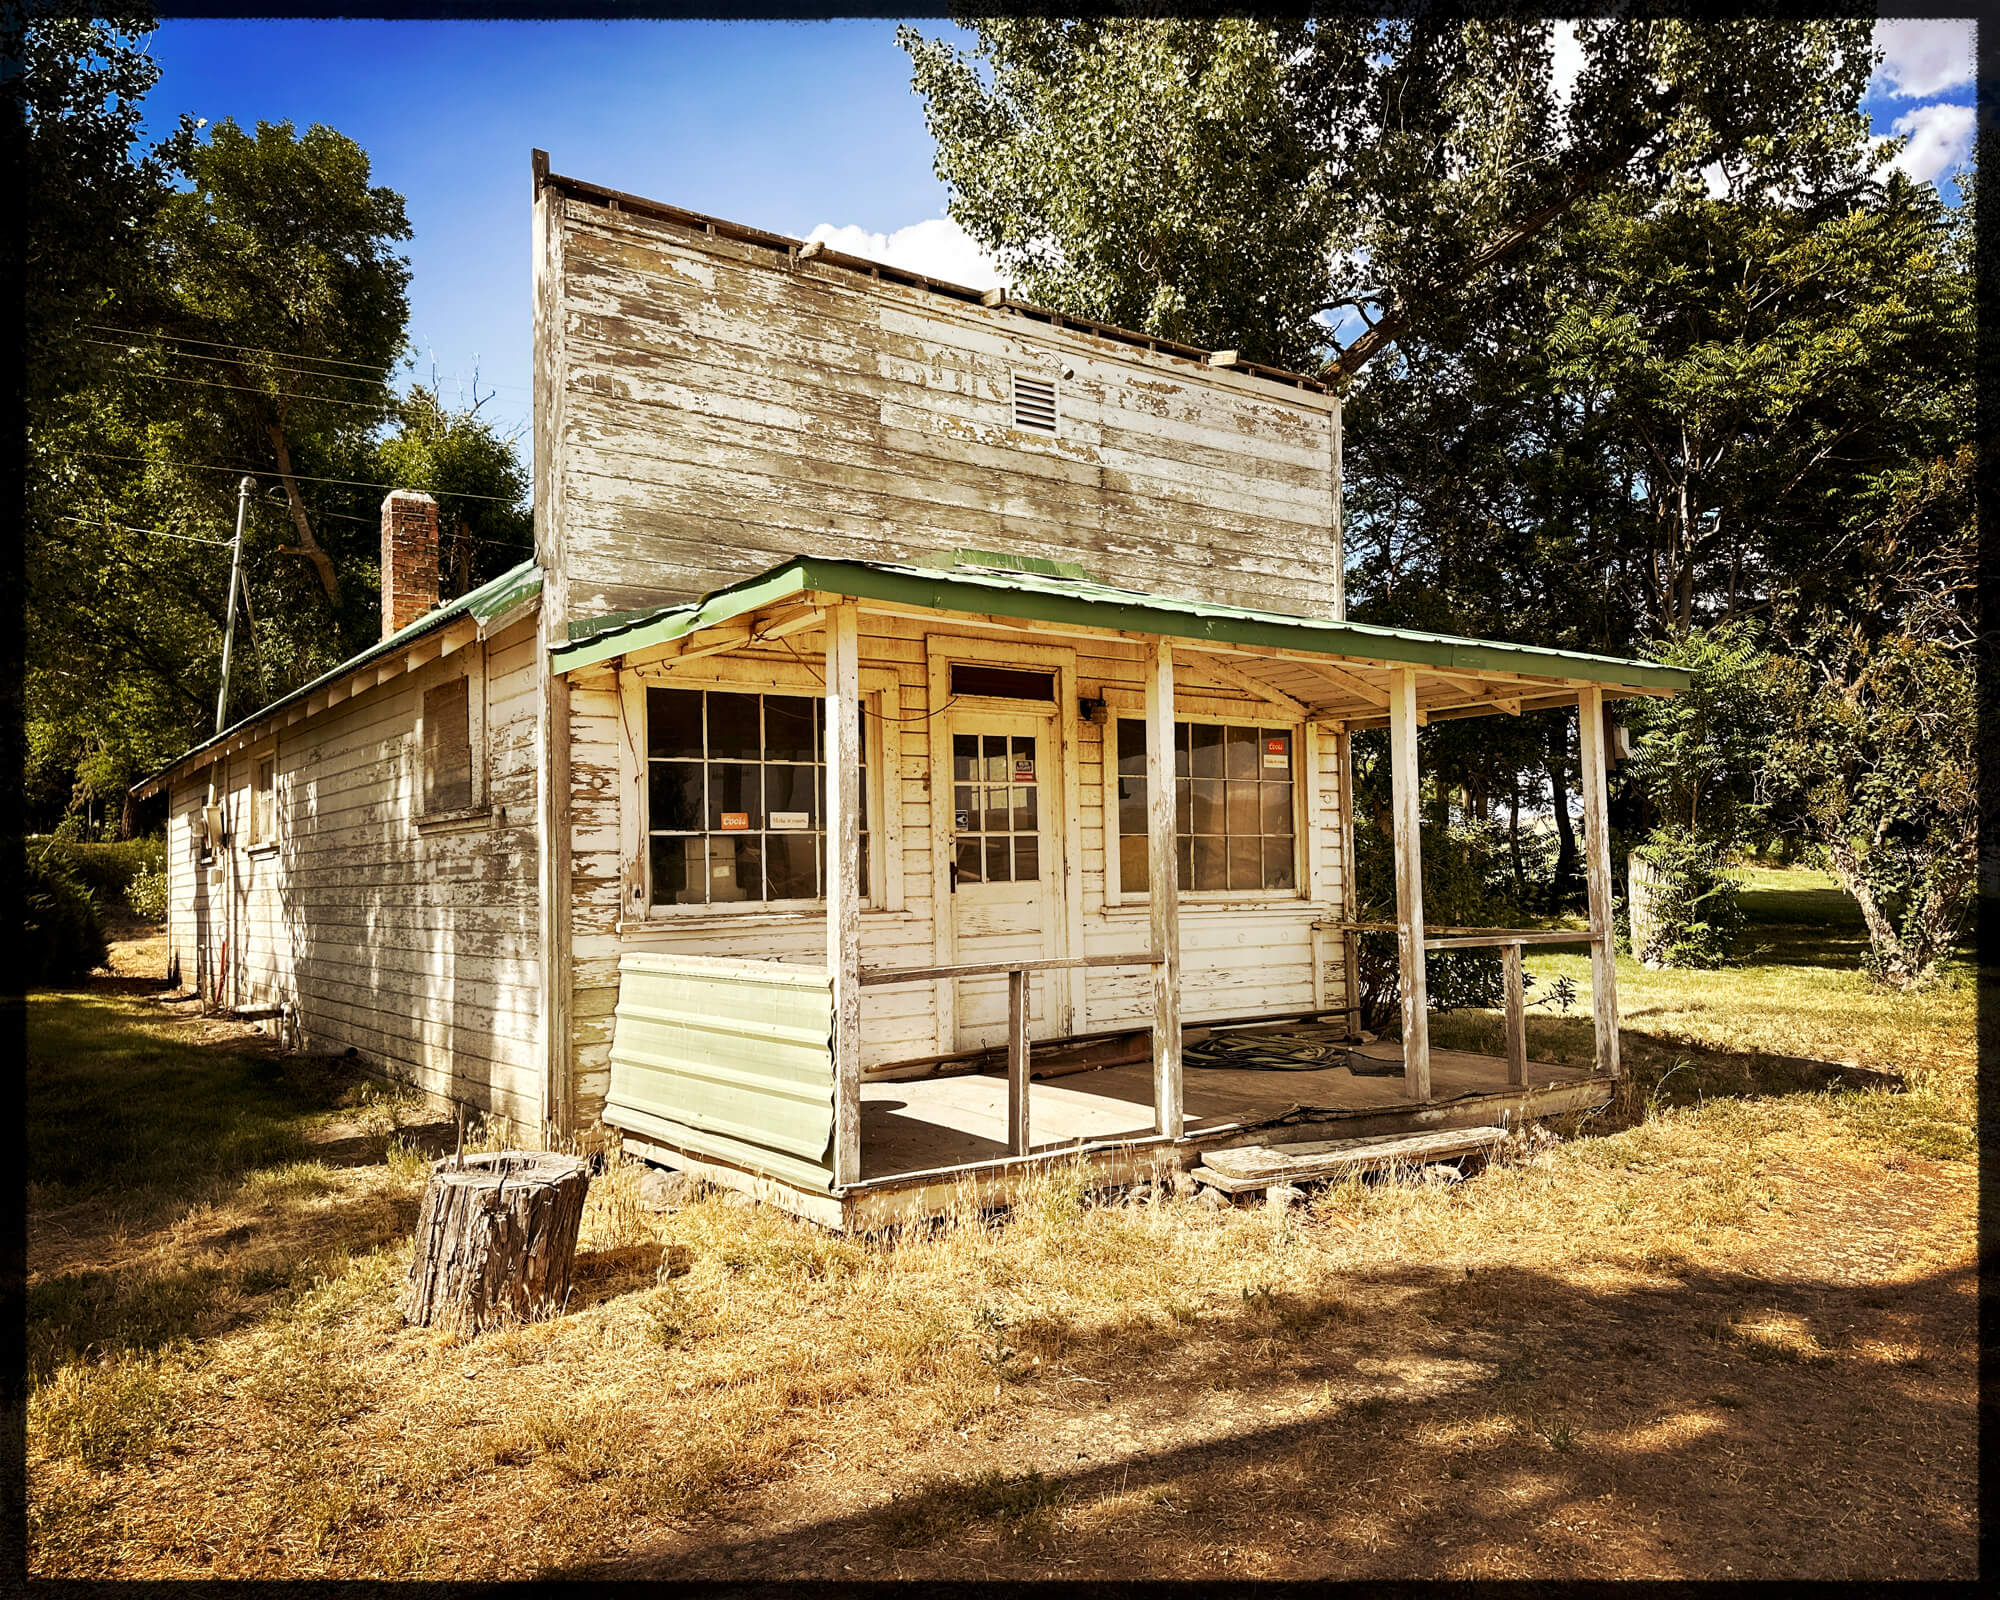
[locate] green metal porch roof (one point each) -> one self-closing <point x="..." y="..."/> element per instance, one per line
<point x="1057" y="597"/>
<point x="492" y="599"/>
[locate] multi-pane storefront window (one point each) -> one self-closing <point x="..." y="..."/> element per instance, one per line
<point x="735" y="792"/>
<point x="1232" y="807"/>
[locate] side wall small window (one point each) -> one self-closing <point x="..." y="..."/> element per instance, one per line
<point x="447" y="750"/>
<point x="264" y="801"/>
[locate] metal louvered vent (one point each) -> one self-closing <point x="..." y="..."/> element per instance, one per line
<point x="1034" y="403"/>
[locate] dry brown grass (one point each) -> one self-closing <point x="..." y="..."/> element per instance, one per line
<point x="1586" y="1338"/>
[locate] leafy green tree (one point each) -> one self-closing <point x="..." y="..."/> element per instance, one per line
<point x="257" y="332"/>
<point x="285" y="313"/>
<point x="1699" y="755"/>
<point x="86" y="188"/>
<point x="1875" y="758"/>
<point x="485" y="524"/>
<point x="1228" y="182"/>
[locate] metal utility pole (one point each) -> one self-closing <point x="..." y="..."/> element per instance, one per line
<point x="235" y="582"/>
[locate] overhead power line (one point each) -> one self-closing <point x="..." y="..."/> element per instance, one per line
<point x="297" y="477"/>
<point x="159" y="533"/>
<point x="217" y="344"/>
<point x="372" y="372"/>
<point x="231" y="361"/>
<point x="244" y="388"/>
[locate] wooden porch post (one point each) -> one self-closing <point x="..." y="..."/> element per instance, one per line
<point x="1350" y="952"/>
<point x="1597" y="860"/>
<point x="1163" y="875"/>
<point x="1407" y="814"/>
<point x="1517" y="1017"/>
<point x="843" y="881"/>
<point x="1017" y="1063"/>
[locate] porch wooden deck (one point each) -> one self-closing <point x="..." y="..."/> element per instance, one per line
<point x="923" y="1125"/>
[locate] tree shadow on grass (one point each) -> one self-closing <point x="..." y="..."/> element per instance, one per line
<point x="133" y="1131"/>
<point x="240" y="1273"/>
<point x="1509" y="1422"/>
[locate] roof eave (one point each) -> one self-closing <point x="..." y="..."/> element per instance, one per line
<point x="958" y="595"/>
<point x="527" y="576"/>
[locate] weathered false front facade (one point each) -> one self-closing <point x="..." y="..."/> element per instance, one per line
<point x="912" y="675"/>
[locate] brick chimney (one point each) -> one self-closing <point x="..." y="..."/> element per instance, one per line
<point x="409" y="558"/>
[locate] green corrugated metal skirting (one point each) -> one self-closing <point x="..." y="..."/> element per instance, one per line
<point x="727" y="1058"/>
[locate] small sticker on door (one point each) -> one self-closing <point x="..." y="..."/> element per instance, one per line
<point x="1024" y="769"/>
<point x="735" y="822"/>
<point x="791" y="821"/>
<point x="1276" y="755"/>
<point x="958" y="821"/>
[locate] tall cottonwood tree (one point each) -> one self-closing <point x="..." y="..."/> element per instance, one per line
<point x="1658" y="354"/>
<point x="1228" y="181"/>
<point x="284" y="308"/>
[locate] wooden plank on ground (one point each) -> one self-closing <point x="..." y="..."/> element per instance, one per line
<point x="1259" y="1166"/>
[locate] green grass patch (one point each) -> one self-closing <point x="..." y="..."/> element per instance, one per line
<point x="117" y="1108"/>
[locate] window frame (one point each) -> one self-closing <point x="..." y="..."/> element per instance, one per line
<point x="263" y="833"/>
<point x="880" y="691"/>
<point x="469" y="664"/>
<point x="1305" y="783"/>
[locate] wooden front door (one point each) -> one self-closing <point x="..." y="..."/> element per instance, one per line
<point x="1004" y="850"/>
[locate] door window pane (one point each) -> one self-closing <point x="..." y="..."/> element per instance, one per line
<point x="996" y="816"/>
<point x="971" y="861"/>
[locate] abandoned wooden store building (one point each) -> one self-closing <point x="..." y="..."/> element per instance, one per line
<point x="903" y="673"/>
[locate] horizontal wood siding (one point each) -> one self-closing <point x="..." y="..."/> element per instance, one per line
<point x="723" y="409"/>
<point x="416" y="946"/>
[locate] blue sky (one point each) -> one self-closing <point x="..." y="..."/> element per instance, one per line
<point x="805" y="128"/>
<point x="784" y="125"/>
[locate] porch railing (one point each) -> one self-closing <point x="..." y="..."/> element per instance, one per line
<point x="1509" y="942"/>
<point x="1017" y="1013"/>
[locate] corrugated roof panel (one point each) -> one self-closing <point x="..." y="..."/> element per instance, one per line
<point x="1046" y="597"/>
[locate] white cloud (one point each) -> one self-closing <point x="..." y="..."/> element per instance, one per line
<point x="1940" y="139"/>
<point x="937" y="247"/>
<point x="1565" y="64"/>
<point x="1923" y="58"/>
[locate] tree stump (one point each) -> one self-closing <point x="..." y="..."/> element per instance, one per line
<point x="496" y="1239"/>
